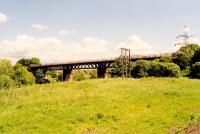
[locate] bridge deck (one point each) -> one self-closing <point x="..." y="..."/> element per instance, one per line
<point x="94" y="63"/>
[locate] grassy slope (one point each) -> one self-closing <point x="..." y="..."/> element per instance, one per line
<point x="101" y="106"/>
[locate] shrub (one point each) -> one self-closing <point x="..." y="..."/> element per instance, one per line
<point x="92" y="74"/>
<point x="6" y="82"/>
<point x="39" y="77"/>
<point x="196" y="57"/>
<point x="195" y="70"/>
<point x="79" y="75"/>
<point x="23" y="77"/>
<point x="6" y="68"/>
<point x="140" y="69"/>
<point x="184" y="56"/>
<point x="154" y="69"/>
<point x="116" y="70"/>
<point x="164" y="59"/>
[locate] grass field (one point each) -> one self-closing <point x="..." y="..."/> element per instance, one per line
<point x="113" y="106"/>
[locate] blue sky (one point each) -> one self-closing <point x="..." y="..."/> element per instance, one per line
<point x="156" y="22"/>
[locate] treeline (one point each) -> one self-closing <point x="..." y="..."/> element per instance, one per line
<point x="19" y="74"/>
<point x="186" y="64"/>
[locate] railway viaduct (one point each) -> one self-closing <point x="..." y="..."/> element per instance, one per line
<point x="100" y="64"/>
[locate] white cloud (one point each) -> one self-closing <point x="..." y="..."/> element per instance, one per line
<point x="3" y="18"/>
<point x="39" y="27"/>
<point x="137" y="45"/>
<point x="64" y="32"/>
<point x="51" y="49"/>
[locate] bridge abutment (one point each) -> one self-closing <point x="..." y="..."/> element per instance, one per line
<point x="101" y="73"/>
<point x="67" y="75"/>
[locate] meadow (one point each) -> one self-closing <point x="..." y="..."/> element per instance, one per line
<point x="110" y="106"/>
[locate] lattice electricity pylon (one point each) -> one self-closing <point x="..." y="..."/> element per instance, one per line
<point x="125" y="59"/>
<point x="185" y="36"/>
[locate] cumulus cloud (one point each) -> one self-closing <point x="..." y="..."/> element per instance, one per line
<point x="51" y="49"/>
<point x="136" y="44"/>
<point x="39" y="27"/>
<point x="64" y="32"/>
<point x="3" y="18"/>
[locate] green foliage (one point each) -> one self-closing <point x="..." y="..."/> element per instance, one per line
<point x="28" y="62"/>
<point x="92" y="73"/>
<point x="79" y="75"/>
<point x="184" y="56"/>
<point x="195" y="70"/>
<point x="6" y="68"/>
<point x="196" y="57"/>
<point x="53" y="74"/>
<point x="116" y="70"/>
<point x="23" y="77"/>
<point x="165" y="59"/>
<point x="140" y="69"/>
<point x="6" y="82"/>
<point x="35" y="61"/>
<point x="39" y="77"/>
<point x="144" y="68"/>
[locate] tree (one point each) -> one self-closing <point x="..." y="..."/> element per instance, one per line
<point x="6" y="68"/>
<point x="140" y="69"/>
<point x="6" y="82"/>
<point x="28" y="62"/>
<point x="196" y="57"/>
<point x="23" y="77"/>
<point x="144" y="68"/>
<point x="116" y="70"/>
<point x="39" y="77"/>
<point x="184" y="56"/>
<point x="35" y="61"/>
<point x="24" y="62"/>
<point x="195" y="70"/>
<point x="165" y="59"/>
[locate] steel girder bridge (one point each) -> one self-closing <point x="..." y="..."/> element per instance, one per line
<point x="100" y="64"/>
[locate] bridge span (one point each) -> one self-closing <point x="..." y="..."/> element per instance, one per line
<point x="100" y="64"/>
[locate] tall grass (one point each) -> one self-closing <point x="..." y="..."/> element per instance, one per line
<point x="149" y="105"/>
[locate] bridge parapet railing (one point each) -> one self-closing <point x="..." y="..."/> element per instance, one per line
<point x="144" y="56"/>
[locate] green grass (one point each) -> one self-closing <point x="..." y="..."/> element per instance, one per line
<point x="115" y="106"/>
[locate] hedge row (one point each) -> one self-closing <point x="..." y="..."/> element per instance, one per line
<point x="144" y="68"/>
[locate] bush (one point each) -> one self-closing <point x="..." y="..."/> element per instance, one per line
<point x="6" y="82"/>
<point x="184" y="56"/>
<point x="195" y="70"/>
<point x="154" y="69"/>
<point x="6" y="68"/>
<point x="196" y="57"/>
<point x="23" y="77"/>
<point x="92" y="73"/>
<point x="140" y="69"/>
<point x="168" y="59"/>
<point x="79" y="75"/>
<point x="39" y="77"/>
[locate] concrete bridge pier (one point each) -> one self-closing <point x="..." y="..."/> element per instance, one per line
<point x="67" y="75"/>
<point x="101" y="73"/>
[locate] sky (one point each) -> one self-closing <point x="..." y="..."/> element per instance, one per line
<point x="62" y="30"/>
